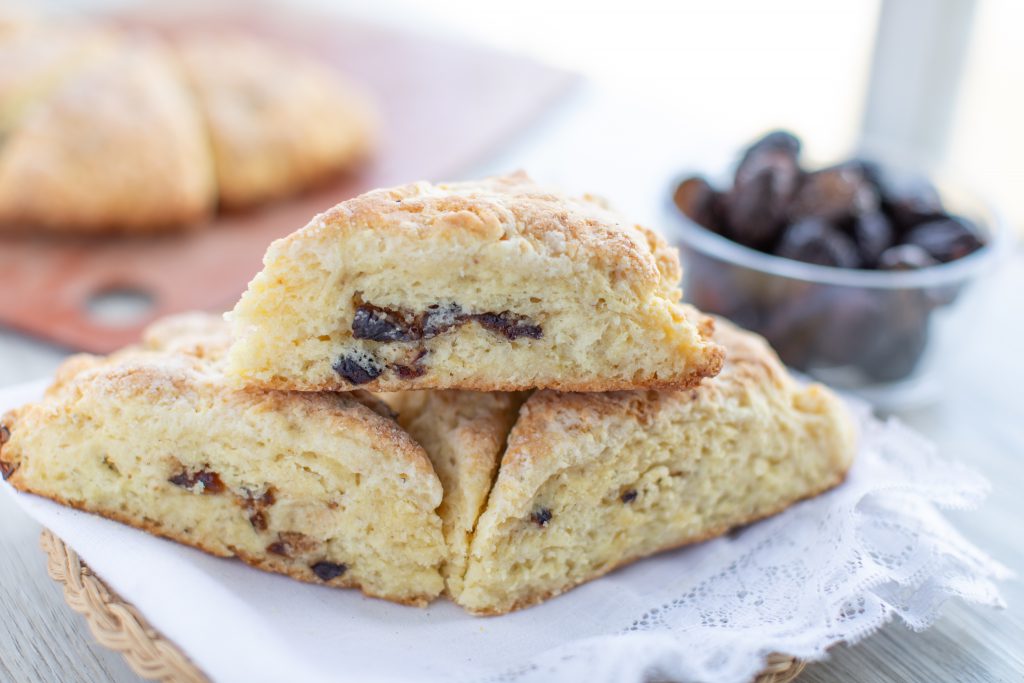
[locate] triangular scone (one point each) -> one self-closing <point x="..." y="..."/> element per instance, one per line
<point x="492" y="285"/>
<point x="463" y="433"/>
<point x="277" y="121"/>
<point x="593" y="481"/>
<point x="316" y="486"/>
<point x="117" y="147"/>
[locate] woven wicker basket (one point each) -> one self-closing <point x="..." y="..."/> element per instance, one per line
<point x="119" y="626"/>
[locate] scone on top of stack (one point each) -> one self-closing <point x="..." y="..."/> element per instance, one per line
<point x="491" y="285"/>
<point x="498" y="499"/>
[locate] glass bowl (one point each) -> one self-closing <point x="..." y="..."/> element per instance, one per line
<point x="876" y="333"/>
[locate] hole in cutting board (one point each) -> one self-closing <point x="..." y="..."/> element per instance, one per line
<point x="119" y="306"/>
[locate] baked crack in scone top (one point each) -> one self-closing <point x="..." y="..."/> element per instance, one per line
<point x="490" y="285"/>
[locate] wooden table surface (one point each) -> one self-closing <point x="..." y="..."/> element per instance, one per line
<point x="980" y="419"/>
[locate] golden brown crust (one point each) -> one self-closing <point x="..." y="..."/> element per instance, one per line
<point x="481" y="419"/>
<point x="538" y="598"/>
<point x="667" y="258"/>
<point x="716" y="358"/>
<point x="183" y="354"/>
<point x="265" y="562"/>
<point x="503" y="207"/>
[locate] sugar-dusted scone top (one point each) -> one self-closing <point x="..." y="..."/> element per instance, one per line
<point x="316" y="486"/>
<point x="463" y="433"/>
<point x="31" y="68"/>
<point x="277" y="121"/>
<point x="117" y="146"/>
<point x="498" y="284"/>
<point x="589" y="482"/>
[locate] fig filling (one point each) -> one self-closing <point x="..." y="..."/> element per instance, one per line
<point x="380" y="324"/>
<point x="326" y="571"/>
<point x="388" y="325"/>
<point x="278" y="548"/>
<point x="358" y="368"/>
<point x="541" y="516"/>
<point x="291" y="544"/>
<point x="509" y="324"/>
<point x="414" y="369"/>
<point x="256" y="507"/>
<point x="209" y="482"/>
<point x="385" y="325"/>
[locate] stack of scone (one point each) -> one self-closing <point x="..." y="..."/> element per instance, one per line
<point x="616" y="421"/>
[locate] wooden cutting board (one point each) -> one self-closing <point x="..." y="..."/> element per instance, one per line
<point x="444" y="106"/>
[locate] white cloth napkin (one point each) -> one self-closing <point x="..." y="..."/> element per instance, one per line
<point x="829" y="570"/>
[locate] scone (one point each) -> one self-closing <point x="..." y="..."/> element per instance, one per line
<point x="492" y="285"/>
<point x="316" y="486"/>
<point x="118" y="147"/>
<point x="463" y="433"/>
<point x="104" y="131"/>
<point x="277" y="122"/>
<point x="589" y="482"/>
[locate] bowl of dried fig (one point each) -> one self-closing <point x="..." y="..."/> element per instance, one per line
<point x="847" y="269"/>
